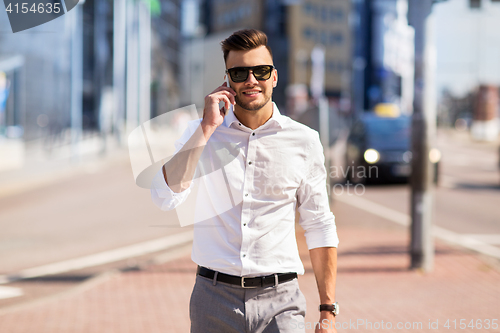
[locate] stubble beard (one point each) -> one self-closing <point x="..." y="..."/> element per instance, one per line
<point x="249" y="106"/>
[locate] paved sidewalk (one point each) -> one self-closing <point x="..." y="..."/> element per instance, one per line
<point x="375" y="290"/>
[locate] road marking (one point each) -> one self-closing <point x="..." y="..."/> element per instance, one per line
<point x="101" y="258"/>
<point x="375" y="209"/>
<point x="464" y="240"/>
<point x="8" y="292"/>
<point x="447" y="181"/>
<point x="492" y="239"/>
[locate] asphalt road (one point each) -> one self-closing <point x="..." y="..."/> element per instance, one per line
<point x="467" y="199"/>
<point x="82" y="215"/>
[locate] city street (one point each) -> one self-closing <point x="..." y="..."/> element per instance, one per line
<point x="95" y="94"/>
<point x="88" y="213"/>
<point x="100" y="210"/>
<point x="62" y="224"/>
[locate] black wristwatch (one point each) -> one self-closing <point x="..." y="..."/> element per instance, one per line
<point x="333" y="308"/>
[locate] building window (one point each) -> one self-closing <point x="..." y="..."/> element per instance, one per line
<point x="336" y="38"/>
<point x="324" y="38"/>
<point x="307" y="7"/>
<point x="334" y="66"/>
<point x="336" y="15"/>
<point x="308" y="34"/>
<point x="324" y="14"/>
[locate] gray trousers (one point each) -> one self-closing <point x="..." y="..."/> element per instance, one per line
<point x="226" y="308"/>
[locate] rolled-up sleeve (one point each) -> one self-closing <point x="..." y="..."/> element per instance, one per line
<point x="313" y="206"/>
<point x="161" y="194"/>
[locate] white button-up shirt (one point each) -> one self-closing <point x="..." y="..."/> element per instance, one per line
<point x="245" y="208"/>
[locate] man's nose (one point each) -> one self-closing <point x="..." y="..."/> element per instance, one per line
<point x="251" y="78"/>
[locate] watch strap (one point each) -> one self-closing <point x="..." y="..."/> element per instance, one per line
<point x="333" y="308"/>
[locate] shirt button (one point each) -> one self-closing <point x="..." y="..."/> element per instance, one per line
<point x="239" y="124"/>
<point x="253" y="134"/>
<point x="250" y="162"/>
<point x="244" y="255"/>
<point x="246" y="194"/>
<point x="244" y="224"/>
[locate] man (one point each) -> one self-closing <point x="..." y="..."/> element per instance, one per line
<point x="247" y="256"/>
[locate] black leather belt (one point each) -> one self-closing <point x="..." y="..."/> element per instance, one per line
<point x="244" y="282"/>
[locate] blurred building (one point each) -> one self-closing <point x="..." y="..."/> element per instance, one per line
<point x="485" y="121"/>
<point x="225" y="15"/>
<point x="383" y="61"/>
<point x="467" y="42"/>
<point x="11" y="102"/>
<point x="294" y="28"/>
<point x="326" y="23"/>
<point x="37" y="66"/>
<point x="166" y="58"/>
<point x="46" y="78"/>
<point x="468" y="66"/>
<point x="97" y="61"/>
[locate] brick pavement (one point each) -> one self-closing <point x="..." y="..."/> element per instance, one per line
<point x="374" y="285"/>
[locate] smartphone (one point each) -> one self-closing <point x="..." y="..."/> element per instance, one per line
<point x="226" y="77"/>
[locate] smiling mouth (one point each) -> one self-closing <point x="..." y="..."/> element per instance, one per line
<point x="251" y="93"/>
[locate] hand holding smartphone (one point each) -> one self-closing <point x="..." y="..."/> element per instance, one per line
<point x="215" y="108"/>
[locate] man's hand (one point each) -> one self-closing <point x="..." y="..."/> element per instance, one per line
<point x="212" y="115"/>
<point x="326" y="323"/>
<point x="179" y="171"/>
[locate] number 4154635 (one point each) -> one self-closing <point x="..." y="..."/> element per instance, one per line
<point x="40" y="8"/>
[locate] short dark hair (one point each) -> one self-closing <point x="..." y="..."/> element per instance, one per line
<point x="244" y="40"/>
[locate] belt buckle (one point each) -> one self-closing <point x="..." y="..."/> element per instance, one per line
<point x="243" y="283"/>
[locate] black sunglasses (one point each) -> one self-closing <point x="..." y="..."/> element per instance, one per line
<point x="240" y="74"/>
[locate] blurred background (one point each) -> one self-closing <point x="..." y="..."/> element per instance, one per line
<point x="73" y="89"/>
<point x="92" y="76"/>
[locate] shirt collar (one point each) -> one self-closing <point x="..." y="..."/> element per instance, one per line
<point x="276" y="118"/>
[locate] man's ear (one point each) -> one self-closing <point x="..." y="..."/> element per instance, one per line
<point x="275" y="78"/>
